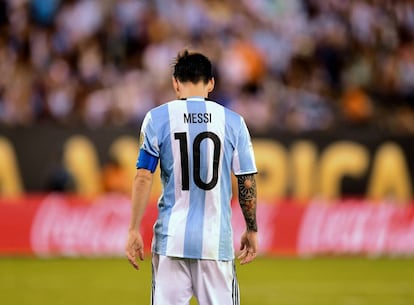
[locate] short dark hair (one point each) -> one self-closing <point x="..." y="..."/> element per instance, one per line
<point x="192" y="67"/>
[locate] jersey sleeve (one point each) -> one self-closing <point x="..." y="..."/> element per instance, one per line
<point x="243" y="155"/>
<point x="148" y="140"/>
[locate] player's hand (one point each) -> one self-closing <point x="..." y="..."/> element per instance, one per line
<point x="248" y="247"/>
<point x="134" y="248"/>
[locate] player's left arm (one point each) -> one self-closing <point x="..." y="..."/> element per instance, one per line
<point x="248" y="201"/>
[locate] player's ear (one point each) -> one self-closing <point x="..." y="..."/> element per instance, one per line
<point x="175" y="85"/>
<point x="210" y="85"/>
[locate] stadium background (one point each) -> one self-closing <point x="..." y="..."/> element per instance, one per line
<point x="326" y="88"/>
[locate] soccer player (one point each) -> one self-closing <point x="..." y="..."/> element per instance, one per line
<point x="199" y="144"/>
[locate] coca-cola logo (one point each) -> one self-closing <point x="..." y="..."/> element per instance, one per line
<point x="97" y="228"/>
<point x="357" y="228"/>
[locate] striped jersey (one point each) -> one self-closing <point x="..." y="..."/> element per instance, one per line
<point x="199" y="144"/>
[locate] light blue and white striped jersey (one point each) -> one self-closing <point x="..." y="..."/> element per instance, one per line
<point x="199" y="144"/>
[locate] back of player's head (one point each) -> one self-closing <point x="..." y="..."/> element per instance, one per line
<point x="192" y="67"/>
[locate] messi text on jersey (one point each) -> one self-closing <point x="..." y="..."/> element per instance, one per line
<point x="197" y="117"/>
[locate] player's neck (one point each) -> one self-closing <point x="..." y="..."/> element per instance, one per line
<point x="188" y="89"/>
<point x="192" y="91"/>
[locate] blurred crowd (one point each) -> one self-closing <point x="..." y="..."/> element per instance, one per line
<point x="297" y="65"/>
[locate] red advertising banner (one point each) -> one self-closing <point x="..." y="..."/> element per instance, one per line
<point x="356" y="227"/>
<point x="65" y="225"/>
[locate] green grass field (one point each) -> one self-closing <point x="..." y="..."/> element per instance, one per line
<point x="275" y="281"/>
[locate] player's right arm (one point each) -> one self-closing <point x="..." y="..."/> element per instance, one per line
<point x="248" y="201"/>
<point x="146" y="165"/>
<point x="141" y="189"/>
<point x="140" y="195"/>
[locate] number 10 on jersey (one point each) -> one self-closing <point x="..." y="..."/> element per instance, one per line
<point x="196" y="153"/>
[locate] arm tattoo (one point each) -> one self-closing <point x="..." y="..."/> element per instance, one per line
<point x="247" y="200"/>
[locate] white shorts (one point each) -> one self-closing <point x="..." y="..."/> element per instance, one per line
<point x="176" y="280"/>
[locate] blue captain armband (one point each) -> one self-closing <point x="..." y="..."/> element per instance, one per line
<point x="147" y="161"/>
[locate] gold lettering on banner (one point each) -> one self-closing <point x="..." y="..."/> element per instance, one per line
<point x="10" y="181"/>
<point x="272" y="164"/>
<point x="300" y="173"/>
<point x="80" y="159"/>
<point x="304" y="170"/>
<point x="390" y="177"/>
<point x="124" y="150"/>
<point x="343" y="158"/>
